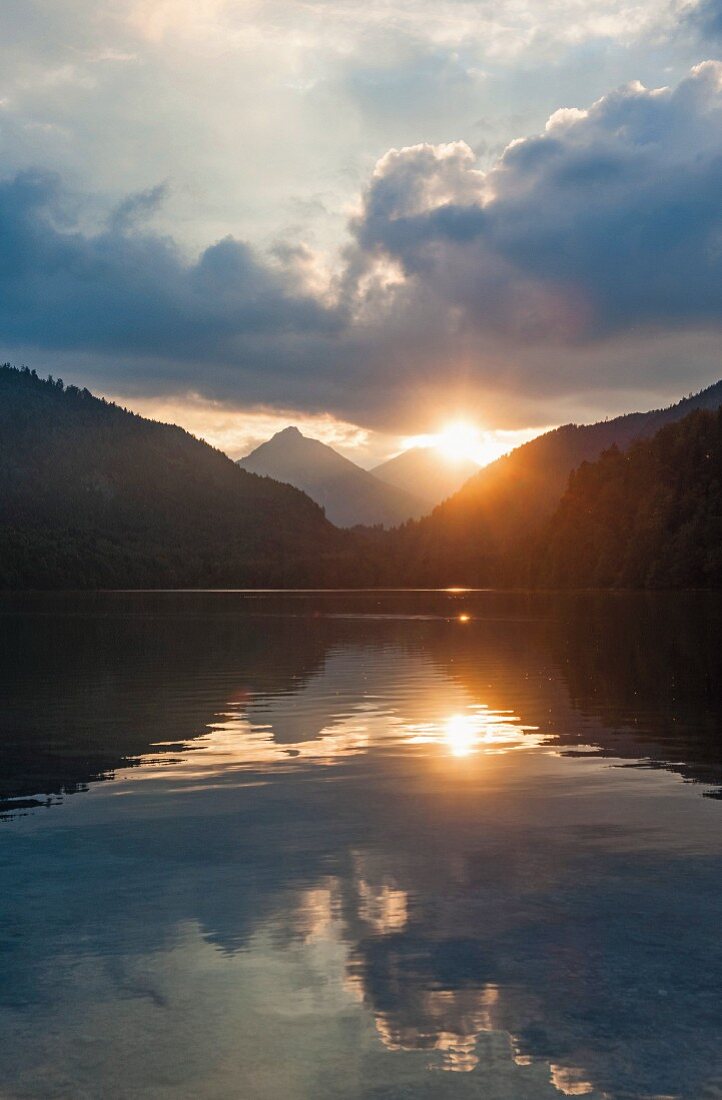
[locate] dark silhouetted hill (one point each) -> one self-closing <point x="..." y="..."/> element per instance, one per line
<point x="650" y="517"/>
<point x="94" y="496"/>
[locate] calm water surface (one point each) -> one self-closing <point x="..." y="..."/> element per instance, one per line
<point x="361" y="845"/>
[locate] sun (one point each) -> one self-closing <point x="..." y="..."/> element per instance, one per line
<point x="458" y="441"/>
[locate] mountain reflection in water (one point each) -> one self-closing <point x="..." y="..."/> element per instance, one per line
<point x="354" y="837"/>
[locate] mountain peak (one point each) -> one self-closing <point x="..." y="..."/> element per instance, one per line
<point x="349" y="494"/>
<point x="425" y="466"/>
<point x="291" y="432"/>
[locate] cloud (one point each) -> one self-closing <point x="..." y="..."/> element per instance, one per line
<point x="705" y="18"/>
<point x="137" y="207"/>
<point x="587" y="261"/>
<point x="128" y="291"/>
<point x="608" y="221"/>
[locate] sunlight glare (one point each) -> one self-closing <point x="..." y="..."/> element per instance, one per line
<point x="460" y="731"/>
<point x="459" y="442"/>
<point x="478" y="729"/>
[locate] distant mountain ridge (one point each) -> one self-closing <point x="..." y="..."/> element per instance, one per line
<point x="349" y="495"/>
<point x="423" y="470"/>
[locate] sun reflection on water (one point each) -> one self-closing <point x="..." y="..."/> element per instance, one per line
<point x="479" y="728"/>
<point x="234" y="741"/>
<point x="460" y="732"/>
<point x="399" y="704"/>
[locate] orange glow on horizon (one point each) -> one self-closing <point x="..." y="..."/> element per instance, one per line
<point x="460" y="441"/>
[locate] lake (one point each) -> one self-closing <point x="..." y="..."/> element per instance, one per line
<point x="368" y="845"/>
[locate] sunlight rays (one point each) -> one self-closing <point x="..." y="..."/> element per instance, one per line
<point x="460" y="441"/>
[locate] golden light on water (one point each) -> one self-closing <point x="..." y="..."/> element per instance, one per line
<point x="460" y="732"/>
<point x="402" y="702"/>
<point x="477" y="728"/>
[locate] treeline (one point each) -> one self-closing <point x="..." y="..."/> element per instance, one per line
<point x="492" y="531"/>
<point x="650" y="517"/>
<point x="92" y="495"/>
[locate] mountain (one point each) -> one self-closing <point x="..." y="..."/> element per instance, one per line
<point x="422" y="470"/>
<point x="349" y="495"/>
<point x="650" y="517"/>
<point x="92" y="495"/>
<point x="477" y="535"/>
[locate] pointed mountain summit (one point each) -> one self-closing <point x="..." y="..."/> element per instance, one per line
<point x="349" y="494"/>
<point x="424" y="470"/>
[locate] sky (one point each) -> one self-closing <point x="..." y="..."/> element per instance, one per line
<point x="368" y="219"/>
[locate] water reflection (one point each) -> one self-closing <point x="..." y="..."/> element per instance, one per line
<point x="635" y="678"/>
<point x="306" y="727"/>
<point x="351" y="840"/>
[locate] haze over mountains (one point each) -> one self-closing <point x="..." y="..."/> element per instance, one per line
<point x="404" y="488"/>
<point x="425" y="470"/>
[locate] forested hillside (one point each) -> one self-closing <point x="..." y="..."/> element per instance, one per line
<point x="649" y="518"/>
<point x="94" y="496"/>
<point x="480" y="534"/>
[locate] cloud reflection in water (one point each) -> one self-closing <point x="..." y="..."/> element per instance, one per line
<point x="361" y="859"/>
